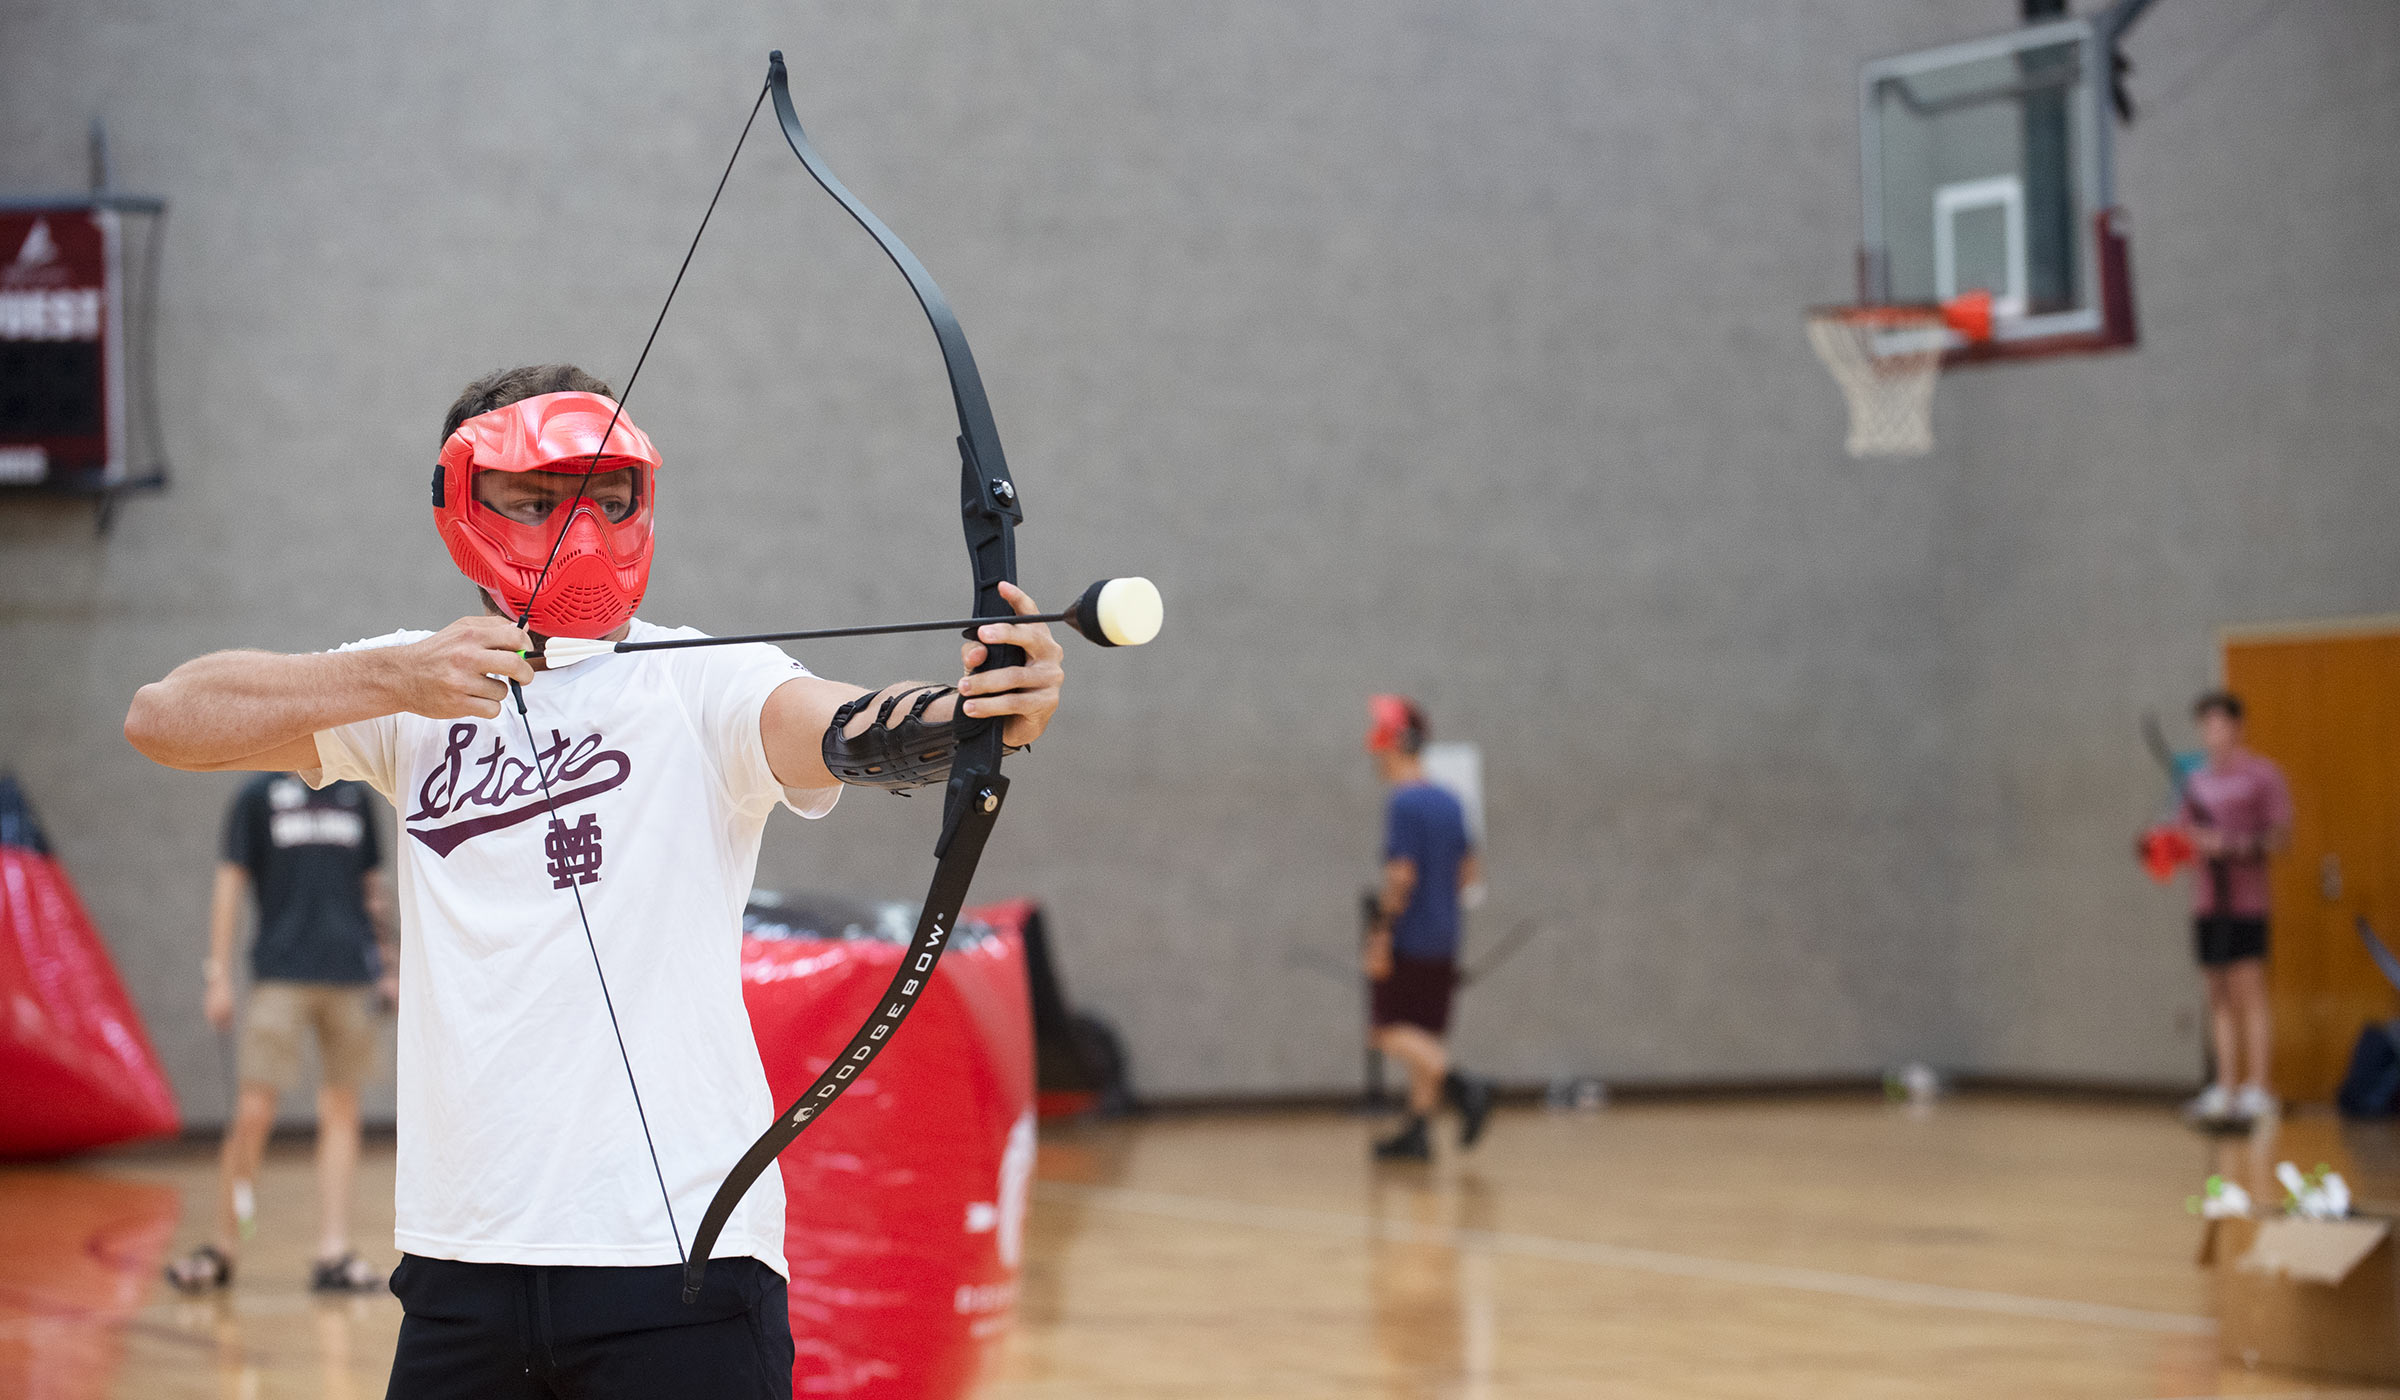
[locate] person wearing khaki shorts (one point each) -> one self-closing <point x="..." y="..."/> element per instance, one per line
<point x="321" y="975"/>
<point x="340" y="1017"/>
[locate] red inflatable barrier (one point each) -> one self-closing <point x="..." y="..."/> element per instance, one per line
<point x="907" y="1200"/>
<point x="79" y="1069"/>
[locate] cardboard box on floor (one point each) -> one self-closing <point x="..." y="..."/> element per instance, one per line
<point x="2311" y="1295"/>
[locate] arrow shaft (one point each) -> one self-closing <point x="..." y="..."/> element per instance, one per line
<point x="821" y="633"/>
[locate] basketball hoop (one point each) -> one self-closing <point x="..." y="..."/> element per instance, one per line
<point x="1886" y="359"/>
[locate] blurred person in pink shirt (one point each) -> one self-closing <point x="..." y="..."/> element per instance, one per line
<point x="2237" y="811"/>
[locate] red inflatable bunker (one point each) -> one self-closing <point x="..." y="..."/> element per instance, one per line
<point x="907" y="1199"/>
<point x="77" y="1068"/>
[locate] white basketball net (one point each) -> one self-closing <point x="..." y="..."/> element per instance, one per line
<point x="1886" y="358"/>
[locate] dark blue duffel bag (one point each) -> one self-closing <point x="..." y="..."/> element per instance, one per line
<point x="2372" y="1087"/>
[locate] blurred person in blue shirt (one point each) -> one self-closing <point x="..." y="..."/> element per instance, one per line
<point x="1412" y="947"/>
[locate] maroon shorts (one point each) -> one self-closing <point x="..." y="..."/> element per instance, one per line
<point x="1416" y="994"/>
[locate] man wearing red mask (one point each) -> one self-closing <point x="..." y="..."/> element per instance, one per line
<point x="566" y="1108"/>
<point x="1411" y="957"/>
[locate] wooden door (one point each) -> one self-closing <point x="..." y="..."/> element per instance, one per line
<point x="2324" y="703"/>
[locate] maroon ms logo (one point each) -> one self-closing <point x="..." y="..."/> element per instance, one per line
<point x="503" y="790"/>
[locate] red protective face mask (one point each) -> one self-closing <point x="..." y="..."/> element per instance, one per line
<point x="602" y="566"/>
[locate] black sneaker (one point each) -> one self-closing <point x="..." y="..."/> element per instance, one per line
<point x="348" y="1274"/>
<point x="205" y="1270"/>
<point x="1473" y="1099"/>
<point x="1410" y="1144"/>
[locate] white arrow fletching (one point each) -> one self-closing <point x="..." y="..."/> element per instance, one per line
<point x="566" y="651"/>
<point x="1131" y="610"/>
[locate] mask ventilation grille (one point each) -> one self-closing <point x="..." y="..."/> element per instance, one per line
<point x="584" y="603"/>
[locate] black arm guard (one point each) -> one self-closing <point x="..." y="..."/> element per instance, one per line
<point x="895" y="757"/>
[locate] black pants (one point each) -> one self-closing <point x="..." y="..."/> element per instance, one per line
<point x="495" y="1331"/>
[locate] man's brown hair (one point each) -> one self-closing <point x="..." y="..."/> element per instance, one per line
<point x="503" y="387"/>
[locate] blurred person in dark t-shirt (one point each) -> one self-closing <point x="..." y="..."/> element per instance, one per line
<point x="1412" y="950"/>
<point x="321" y="963"/>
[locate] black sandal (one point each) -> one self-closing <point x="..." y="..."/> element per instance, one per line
<point x="205" y="1270"/>
<point x="348" y="1274"/>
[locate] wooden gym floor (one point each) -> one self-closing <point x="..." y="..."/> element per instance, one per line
<point x="1784" y="1247"/>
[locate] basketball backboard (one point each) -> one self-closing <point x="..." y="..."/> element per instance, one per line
<point x="1985" y="166"/>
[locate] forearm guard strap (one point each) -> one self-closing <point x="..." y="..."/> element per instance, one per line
<point x="896" y="756"/>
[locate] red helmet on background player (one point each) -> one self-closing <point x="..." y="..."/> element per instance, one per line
<point x="601" y="566"/>
<point x="1394" y="722"/>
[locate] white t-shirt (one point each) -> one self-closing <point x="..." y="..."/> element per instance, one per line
<point x="518" y="1137"/>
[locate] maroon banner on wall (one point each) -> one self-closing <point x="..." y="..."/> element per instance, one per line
<point x="62" y="402"/>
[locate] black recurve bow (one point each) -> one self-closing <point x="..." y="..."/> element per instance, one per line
<point x="989" y="510"/>
<point x="988" y="507"/>
<point x="2219" y="869"/>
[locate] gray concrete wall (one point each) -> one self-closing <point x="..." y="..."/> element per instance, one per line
<point x="1448" y="348"/>
<point x="2108" y="516"/>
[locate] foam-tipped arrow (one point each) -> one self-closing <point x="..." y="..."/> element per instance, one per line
<point x="1115" y="612"/>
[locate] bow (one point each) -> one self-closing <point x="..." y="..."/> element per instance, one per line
<point x="971" y="805"/>
<point x="988" y="507"/>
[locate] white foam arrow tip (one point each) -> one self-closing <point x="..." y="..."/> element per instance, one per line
<point x="1131" y="611"/>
